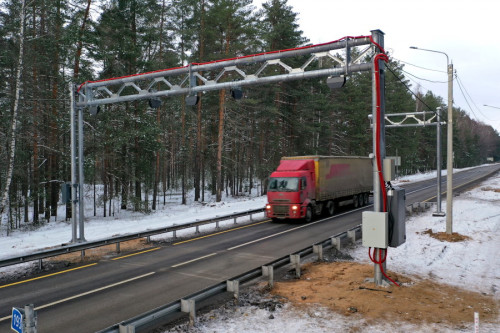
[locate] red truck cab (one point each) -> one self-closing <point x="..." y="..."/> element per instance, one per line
<point x="290" y="190"/>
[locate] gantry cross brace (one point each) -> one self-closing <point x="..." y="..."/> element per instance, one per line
<point x="226" y="74"/>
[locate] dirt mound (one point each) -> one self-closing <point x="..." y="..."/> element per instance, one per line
<point x="444" y="237"/>
<point x="341" y="287"/>
<point x="101" y="252"/>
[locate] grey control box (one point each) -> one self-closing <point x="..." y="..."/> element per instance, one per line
<point x="396" y="198"/>
<point x="375" y="229"/>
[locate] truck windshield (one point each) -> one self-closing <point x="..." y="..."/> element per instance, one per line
<point x="283" y="184"/>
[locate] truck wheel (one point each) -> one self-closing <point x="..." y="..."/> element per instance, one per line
<point x="355" y="201"/>
<point x="309" y="214"/>
<point x="330" y="208"/>
<point x="366" y="198"/>
<point x="361" y="201"/>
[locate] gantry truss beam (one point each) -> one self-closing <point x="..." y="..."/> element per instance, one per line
<point x="231" y="73"/>
<point x="411" y="119"/>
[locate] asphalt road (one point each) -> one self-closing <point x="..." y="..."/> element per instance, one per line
<point x="94" y="296"/>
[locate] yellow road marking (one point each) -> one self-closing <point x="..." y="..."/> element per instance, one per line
<point x="134" y="254"/>
<point x="219" y="233"/>
<point x="85" y="293"/>
<point x="48" y="275"/>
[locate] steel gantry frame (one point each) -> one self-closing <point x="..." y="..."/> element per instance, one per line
<point x="243" y="71"/>
<point x="235" y="73"/>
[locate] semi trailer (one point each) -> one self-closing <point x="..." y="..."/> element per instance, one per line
<point x="303" y="187"/>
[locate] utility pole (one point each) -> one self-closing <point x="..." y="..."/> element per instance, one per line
<point x="449" y="162"/>
<point x="449" y="150"/>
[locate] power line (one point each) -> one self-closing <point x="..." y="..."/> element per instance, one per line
<point x="461" y="85"/>
<point x="423" y="78"/>
<point x="418" y="83"/>
<point x="427" y="69"/>
<point x="408" y="88"/>
<point x="466" y="100"/>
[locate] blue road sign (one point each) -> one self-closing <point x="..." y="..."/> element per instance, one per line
<point x="17" y="320"/>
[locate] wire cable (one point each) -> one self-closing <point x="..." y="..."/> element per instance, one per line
<point x="408" y="88"/>
<point x="427" y="69"/>
<point x="380" y="261"/>
<point x="462" y="89"/>
<point x="466" y="100"/>
<point x="420" y="78"/>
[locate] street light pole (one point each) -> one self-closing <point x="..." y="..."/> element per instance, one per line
<point x="449" y="161"/>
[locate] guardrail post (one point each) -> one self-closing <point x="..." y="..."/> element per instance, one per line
<point x="174" y="234"/>
<point x="336" y="242"/>
<point x="351" y="234"/>
<point x="40" y="264"/>
<point x="234" y="287"/>
<point x="251" y="218"/>
<point x="31" y="318"/>
<point x="118" y="247"/>
<point x="188" y="306"/>
<point x="318" y="249"/>
<point x="197" y="230"/>
<point x="269" y="272"/>
<point x="82" y="254"/>
<point x="148" y="239"/>
<point x="126" y="329"/>
<point x="295" y="261"/>
<point x="217" y="225"/>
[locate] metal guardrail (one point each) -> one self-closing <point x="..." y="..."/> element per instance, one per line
<point x="64" y="249"/>
<point x="166" y="313"/>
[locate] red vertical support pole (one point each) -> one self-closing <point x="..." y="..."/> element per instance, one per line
<point x="378" y="112"/>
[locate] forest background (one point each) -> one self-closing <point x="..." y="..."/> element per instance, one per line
<point x="135" y="154"/>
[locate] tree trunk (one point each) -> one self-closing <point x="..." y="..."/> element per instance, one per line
<point x="14" y="116"/>
<point x="54" y="132"/>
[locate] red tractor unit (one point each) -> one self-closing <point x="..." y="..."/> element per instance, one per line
<point x="306" y="186"/>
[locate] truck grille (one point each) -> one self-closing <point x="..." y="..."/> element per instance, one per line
<point x="281" y="200"/>
<point x="280" y="210"/>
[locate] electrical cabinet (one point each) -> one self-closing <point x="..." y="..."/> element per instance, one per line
<point x="375" y="229"/>
<point x="396" y="198"/>
<point x="66" y="193"/>
<point x="389" y="169"/>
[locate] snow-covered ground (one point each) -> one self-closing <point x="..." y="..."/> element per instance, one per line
<point x="473" y="264"/>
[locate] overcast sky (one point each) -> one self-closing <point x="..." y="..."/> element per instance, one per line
<point x="468" y="31"/>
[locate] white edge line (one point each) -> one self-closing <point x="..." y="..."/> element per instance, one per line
<point x="86" y="293"/>
<point x="190" y="261"/>
<point x="296" y="228"/>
